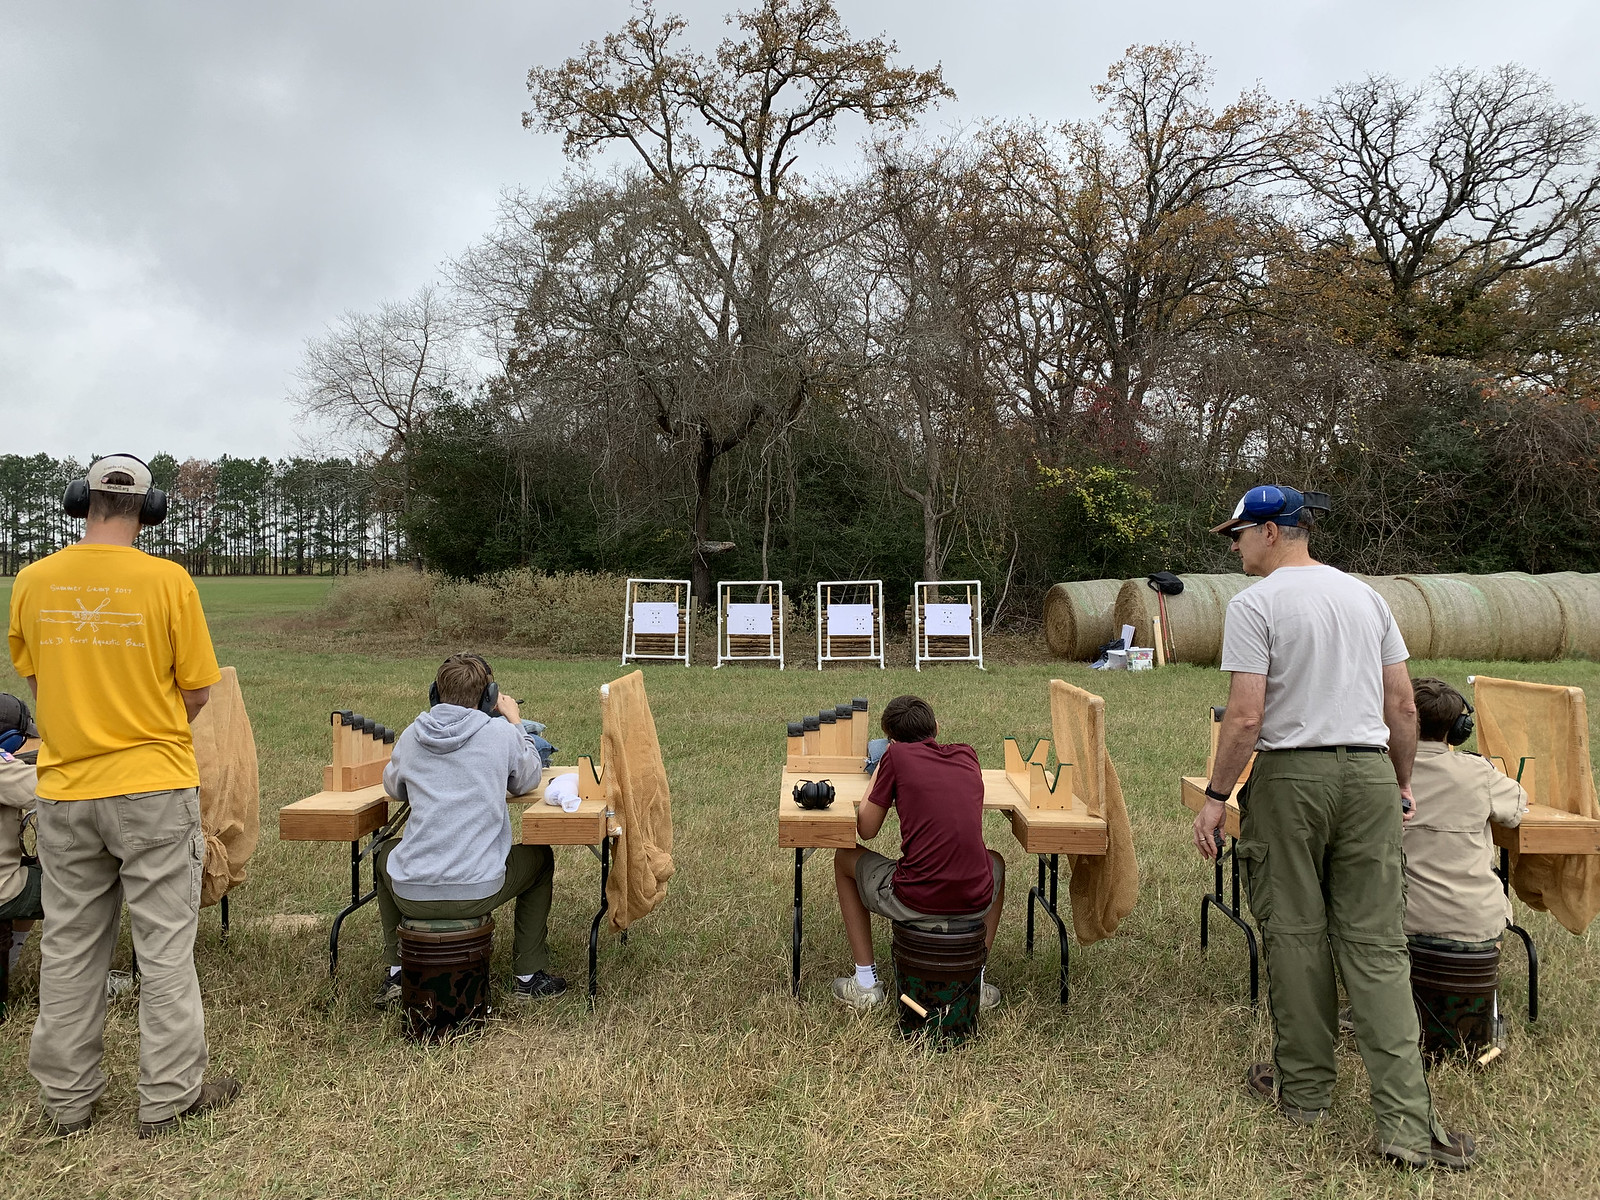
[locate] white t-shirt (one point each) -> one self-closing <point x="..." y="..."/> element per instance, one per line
<point x="1322" y="640"/>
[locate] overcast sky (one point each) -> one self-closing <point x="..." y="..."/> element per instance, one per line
<point x="189" y="190"/>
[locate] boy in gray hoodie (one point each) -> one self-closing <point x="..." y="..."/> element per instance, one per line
<point x="454" y="765"/>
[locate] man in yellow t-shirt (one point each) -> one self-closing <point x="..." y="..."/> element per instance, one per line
<point x="114" y="644"/>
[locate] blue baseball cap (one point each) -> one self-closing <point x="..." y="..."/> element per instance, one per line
<point x="1269" y="502"/>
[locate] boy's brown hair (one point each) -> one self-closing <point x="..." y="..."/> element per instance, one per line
<point x="112" y="506"/>
<point x="462" y="679"/>
<point x="908" y="719"/>
<point x="1438" y="706"/>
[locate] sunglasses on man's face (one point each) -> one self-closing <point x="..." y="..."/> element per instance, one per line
<point x="1234" y="534"/>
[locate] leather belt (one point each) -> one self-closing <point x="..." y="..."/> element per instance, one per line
<point x="1333" y="749"/>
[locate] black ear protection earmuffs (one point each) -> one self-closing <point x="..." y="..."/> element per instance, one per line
<point x="152" y="510"/>
<point x="1461" y="728"/>
<point x="11" y="740"/>
<point x="488" y="702"/>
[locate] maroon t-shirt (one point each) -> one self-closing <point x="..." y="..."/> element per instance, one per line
<point x="944" y="868"/>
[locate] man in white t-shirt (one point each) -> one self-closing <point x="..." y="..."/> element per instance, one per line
<point x="1320" y="691"/>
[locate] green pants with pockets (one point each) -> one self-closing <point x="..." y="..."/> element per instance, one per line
<point x="1321" y="846"/>
<point x="530" y="876"/>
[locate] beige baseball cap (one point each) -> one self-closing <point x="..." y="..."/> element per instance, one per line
<point x="102" y="469"/>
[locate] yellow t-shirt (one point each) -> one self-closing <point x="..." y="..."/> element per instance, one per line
<point x="111" y="633"/>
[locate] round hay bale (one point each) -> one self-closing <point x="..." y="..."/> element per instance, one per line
<point x="1527" y="615"/>
<point x="1079" y="617"/>
<point x="1410" y="610"/>
<point x="1462" y="616"/>
<point x="1579" y="598"/>
<point x="1195" y="617"/>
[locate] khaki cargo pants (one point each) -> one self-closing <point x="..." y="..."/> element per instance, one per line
<point x="1321" y="847"/>
<point x="147" y="849"/>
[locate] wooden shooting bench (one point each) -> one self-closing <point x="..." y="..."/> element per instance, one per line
<point x="1192" y="791"/>
<point x="368" y="812"/>
<point x="1047" y="818"/>
<point x="1522" y="723"/>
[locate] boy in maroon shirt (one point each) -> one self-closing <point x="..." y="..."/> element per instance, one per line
<point x="944" y="874"/>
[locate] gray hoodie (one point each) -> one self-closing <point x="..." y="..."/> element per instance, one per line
<point x="455" y="765"/>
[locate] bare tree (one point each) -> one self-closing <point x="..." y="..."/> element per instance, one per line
<point x="1449" y="186"/>
<point x="372" y="377"/>
<point x="1153" y="214"/>
<point x="717" y="141"/>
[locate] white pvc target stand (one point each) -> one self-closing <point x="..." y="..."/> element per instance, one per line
<point x="749" y="619"/>
<point x="949" y="620"/>
<point x="853" y="618"/>
<point x="657" y="620"/>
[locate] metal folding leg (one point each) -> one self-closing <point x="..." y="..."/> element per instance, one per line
<point x="800" y="857"/>
<point x="223" y="906"/>
<point x="604" y="854"/>
<point x="356" y="898"/>
<point x="1047" y="901"/>
<point x="1231" y="911"/>
<point x="5" y="967"/>
<point x="1527" y="939"/>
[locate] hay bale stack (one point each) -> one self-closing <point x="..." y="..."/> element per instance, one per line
<point x="1579" y="598"/>
<point x="1410" y="609"/>
<point x="1527" y="615"/>
<point x="1080" y="617"/>
<point x="1195" y="617"/>
<point x="1462" y="615"/>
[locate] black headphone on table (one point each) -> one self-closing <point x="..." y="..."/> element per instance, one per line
<point x="152" y="509"/>
<point x="1461" y="728"/>
<point x="488" y="702"/>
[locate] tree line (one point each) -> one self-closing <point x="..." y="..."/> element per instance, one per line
<point x="231" y="516"/>
<point x="1024" y="351"/>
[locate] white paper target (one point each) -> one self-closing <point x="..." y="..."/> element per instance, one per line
<point x="655" y="617"/>
<point x="947" y="620"/>
<point x="750" y="619"/>
<point x="849" y="620"/>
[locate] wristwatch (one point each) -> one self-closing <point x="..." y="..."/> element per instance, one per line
<point x="1219" y="797"/>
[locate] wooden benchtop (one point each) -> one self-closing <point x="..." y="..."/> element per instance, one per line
<point x="350" y="816"/>
<point x="1544" y="830"/>
<point x="1192" y="791"/>
<point x="1040" y="831"/>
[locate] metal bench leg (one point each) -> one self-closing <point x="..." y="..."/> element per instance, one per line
<point x="1047" y="901"/>
<point x="356" y="901"/>
<point x="1527" y="939"/>
<point x="223" y="905"/>
<point x="794" y="963"/>
<point x="1533" y="969"/>
<point x="1037" y="890"/>
<point x="1232" y="912"/>
<point x="594" y="926"/>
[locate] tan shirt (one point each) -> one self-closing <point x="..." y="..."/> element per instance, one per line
<point x="1451" y="888"/>
<point x="17" y="780"/>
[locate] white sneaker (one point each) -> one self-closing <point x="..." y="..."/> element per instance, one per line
<point x="988" y="997"/>
<point x="847" y="991"/>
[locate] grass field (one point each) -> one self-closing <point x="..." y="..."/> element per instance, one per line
<point x="698" y="1075"/>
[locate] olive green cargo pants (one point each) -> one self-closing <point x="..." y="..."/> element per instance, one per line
<point x="1321" y="846"/>
<point x="530" y="879"/>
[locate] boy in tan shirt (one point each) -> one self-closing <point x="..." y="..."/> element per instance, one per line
<point x="1452" y="892"/>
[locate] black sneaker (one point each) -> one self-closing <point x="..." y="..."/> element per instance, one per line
<point x="539" y="984"/>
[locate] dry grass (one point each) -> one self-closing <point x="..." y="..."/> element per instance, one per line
<point x="698" y="1075"/>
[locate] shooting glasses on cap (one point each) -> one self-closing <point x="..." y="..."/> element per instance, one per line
<point x="1279" y="505"/>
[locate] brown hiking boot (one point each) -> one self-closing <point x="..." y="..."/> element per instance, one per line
<point x="214" y="1094"/>
<point x="1263" y="1083"/>
<point x="1456" y="1154"/>
<point x="63" y="1129"/>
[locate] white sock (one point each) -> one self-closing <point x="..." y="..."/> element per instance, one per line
<point x="866" y="976"/>
<point x="394" y="973"/>
<point x="982" y="975"/>
<point x="524" y="978"/>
